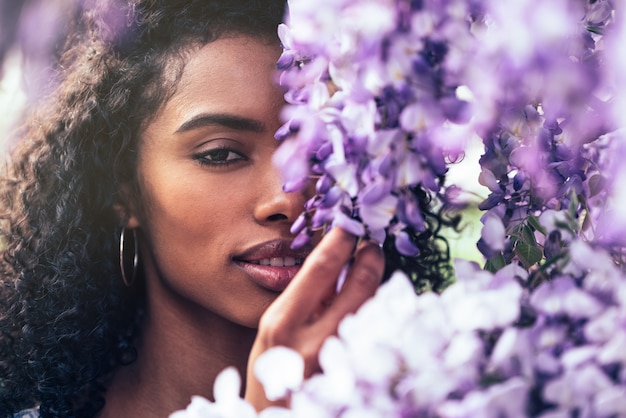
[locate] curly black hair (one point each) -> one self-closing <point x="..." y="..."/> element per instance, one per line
<point x="67" y="321"/>
<point x="431" y="269"/>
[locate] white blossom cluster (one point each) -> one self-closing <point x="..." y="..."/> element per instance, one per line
<point x="485" y="347"/>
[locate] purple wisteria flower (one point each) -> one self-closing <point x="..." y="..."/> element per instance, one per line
<point x="543" y="115"/>
<point x="383" y="96"/>
<point x="371" y="115"/>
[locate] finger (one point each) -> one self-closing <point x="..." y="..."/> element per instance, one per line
<point x="317" y="277"/>
<point x="363" y="279"/>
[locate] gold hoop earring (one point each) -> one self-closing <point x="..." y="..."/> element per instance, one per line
<point x="125" y="277"/>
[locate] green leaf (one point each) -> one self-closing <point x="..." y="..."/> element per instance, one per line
<point x="533" y="221"/>
<point x="495" y="263"/>
<point x="573" y="206"/>
<point x="528" y="254"/>
<point x="528" y="236"/>
<point x="517" y="233"/>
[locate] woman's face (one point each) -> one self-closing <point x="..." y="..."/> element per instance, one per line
<point x="212" y="217"/>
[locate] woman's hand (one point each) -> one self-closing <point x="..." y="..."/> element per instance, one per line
<point x="310" y="310"/>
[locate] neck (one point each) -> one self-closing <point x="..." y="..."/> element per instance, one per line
<point x="180" y="352"/>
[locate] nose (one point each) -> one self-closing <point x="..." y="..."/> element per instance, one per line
<point x="275" y="205"/>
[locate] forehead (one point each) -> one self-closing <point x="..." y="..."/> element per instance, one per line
<point x="228" y="66"/>
<point x="229" y="71"/>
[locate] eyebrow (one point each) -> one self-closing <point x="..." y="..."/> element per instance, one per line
<point x="227" y="120"/>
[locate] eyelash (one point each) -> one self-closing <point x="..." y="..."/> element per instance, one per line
<point x="204" y="161"/>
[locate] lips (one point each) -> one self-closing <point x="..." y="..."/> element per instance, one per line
<point x="272" y="264"/>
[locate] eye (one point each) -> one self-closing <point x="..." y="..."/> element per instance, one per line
<point x="221" y="156"/>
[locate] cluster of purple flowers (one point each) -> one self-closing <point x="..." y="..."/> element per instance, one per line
<point x="487" y="347"/>
<point x="383" y="97"/>
<point x="550" y="107"/>
<point x="373" y="112"/>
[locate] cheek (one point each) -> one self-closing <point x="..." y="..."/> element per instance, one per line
<point x="186" y="234"/>
<point x="187" y="212"/>
<point x="181" y="192"/>
<point x="190" y="215"/>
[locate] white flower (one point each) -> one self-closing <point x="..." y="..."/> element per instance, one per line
<point x="198" y="408"/>
<point x="513" y="354"/>
<point x="480" y="300"/>
<point x="575" y="388"/>
<point x="601" y="328"/>
<point x="228" y="403"/>
<point x="561" y="295"/>
<point x="280" y="370"/>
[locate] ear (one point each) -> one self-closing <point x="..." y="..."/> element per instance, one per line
<point x="126" y="209"/>
<point x="126" y="217"/>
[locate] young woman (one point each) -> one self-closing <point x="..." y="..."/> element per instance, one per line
<point x="146" y="240"/>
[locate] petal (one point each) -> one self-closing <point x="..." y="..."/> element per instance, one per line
<point x="345" y="176"/>
<point x="348" y="224"/>
<point x="275" y="412"/>
<point x="405" y="246"/>
<point x="301" y="240"/>
<point x="410" y="213"/>
<point x="334" y="360"/>
<point x="284" y="34"/>
<point x="374" y="191"/>
<point x="227" y="385"/>
<point x="493" y="233"/>
<point x="377" y="215"/>
<point x="199" y="407"/>
<point x="280" y="370"/>
<point x="299" y="224"/>
<point x="488" y="179"/>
